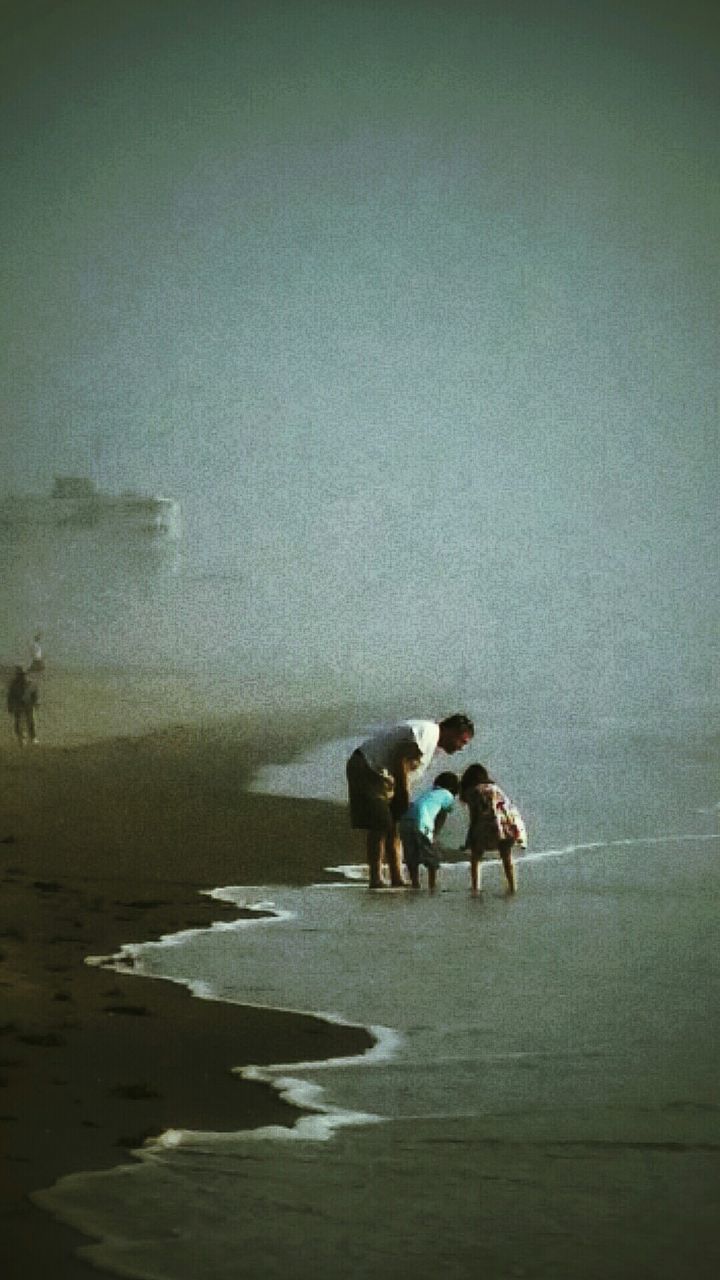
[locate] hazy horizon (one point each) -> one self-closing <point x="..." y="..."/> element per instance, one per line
<point x="414" y="307"/>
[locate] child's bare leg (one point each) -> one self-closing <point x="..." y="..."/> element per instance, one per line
<point x="508" y="866"/>
<point x="432" y="879"/>
<point x="475" y="873"/>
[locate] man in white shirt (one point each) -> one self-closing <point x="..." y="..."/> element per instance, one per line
<point x="379" y="774"/>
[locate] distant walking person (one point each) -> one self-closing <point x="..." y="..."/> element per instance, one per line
<point x="37" y="662"/>
<point x="421" y="824"/>
<point x="495" y="824"/>
<point x="22" y="701"/>
<point x="379" y="774"/>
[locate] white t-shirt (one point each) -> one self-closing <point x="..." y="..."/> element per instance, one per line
<point x="379" y="751"/>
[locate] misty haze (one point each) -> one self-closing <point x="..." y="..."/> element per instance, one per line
<point x="417" y="320"/>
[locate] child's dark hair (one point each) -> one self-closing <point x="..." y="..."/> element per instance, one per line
<point x="449" y="781"/>
<point x="474" y="776"/>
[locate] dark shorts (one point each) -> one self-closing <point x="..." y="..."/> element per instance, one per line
<point x="369" y="794"/>
<point x="417" y="848"/>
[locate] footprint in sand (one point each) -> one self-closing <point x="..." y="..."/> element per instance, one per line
<point x="144" y="905"/>
<point x="133" y="1010"/>
<point x="47" y="1040"/>
<point x="133" y="1092"/>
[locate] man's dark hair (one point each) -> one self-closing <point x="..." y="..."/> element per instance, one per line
<point x="449" y="781"/>
<point x="458" y="723"/>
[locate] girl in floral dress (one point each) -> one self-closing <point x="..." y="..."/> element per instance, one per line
<point x="495" y="824"/>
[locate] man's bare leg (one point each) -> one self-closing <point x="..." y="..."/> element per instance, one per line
<point x="393" y="853"/>
<point x="432" y="879"/>
<point x="475" y="874"/>
<point x="375" y="851"/>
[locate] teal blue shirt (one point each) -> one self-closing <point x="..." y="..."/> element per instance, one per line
<point x="424" y="810"/>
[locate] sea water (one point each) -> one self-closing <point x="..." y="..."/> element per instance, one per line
<point x="541" y="1098"/>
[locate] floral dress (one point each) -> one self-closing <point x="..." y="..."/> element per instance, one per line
<point x="494" y="819"/>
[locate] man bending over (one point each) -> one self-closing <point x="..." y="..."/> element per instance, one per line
<point x="379" y="775"/>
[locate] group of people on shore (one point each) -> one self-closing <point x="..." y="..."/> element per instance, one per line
<point x="399" y="830"/>
<point x="23" y="698"/>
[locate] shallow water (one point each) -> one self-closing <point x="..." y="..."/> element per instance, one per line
<point x="542" y="1098"/>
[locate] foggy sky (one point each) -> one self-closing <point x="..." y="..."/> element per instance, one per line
<point x="410" y="303"/>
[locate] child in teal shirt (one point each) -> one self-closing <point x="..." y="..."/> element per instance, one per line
<point x="420" y="824"/>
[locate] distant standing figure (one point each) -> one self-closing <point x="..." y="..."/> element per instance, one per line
<point x="37" y="662"/>
<point x="495" y="824"/>
<point x="420" y="825"/>
<point x="378" y="776"/>
<point x="22" y="701"/>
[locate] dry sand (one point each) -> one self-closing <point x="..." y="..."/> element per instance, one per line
<point x="109" y="830"/>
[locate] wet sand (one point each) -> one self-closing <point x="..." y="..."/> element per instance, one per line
<point x="106" y="839"/>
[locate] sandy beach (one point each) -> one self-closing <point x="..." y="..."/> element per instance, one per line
<point x="132" y="804"/>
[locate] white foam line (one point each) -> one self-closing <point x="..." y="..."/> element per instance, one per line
<point x="320" y="1120"/>
<point x="318" y="1126"/>
<point x="323" y="1120"/>
<point x="387" y="1042"/>
<point x="613" y="844"/>
<point x="385" y="1049"/>
<point x="129" y="957"/>
<point x="357" y="872"/>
